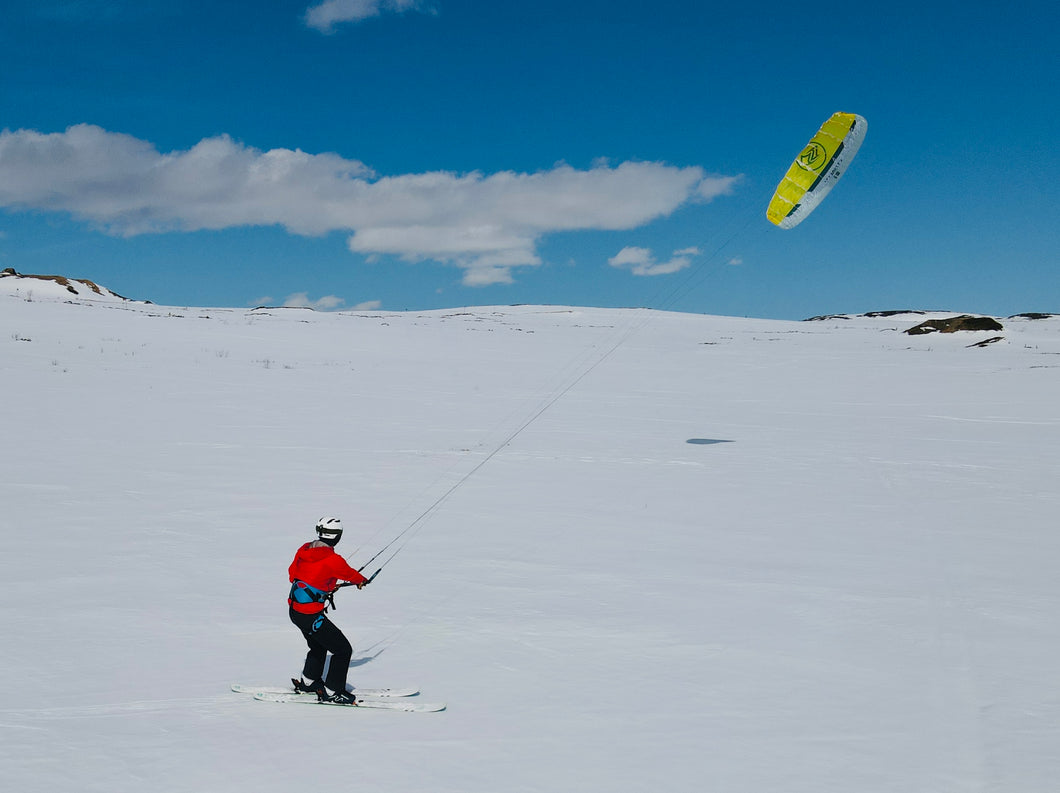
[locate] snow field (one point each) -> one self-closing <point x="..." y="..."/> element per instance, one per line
<point x="853" y="590"/>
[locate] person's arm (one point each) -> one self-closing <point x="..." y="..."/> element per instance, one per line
<point x="346" y="573"/>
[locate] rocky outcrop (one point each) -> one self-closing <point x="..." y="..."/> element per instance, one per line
<point x="955" y="324"/>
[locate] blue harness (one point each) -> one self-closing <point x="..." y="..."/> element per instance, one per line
<point x="301" y="592"/>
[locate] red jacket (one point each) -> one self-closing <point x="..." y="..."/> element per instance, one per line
<point x="321" y="568"/>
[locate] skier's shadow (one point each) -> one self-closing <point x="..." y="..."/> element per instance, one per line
<point x="365" y="659"/>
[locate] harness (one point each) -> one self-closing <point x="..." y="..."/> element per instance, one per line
<point x="301" y="592"/>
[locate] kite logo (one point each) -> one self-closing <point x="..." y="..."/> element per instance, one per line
<point x="814" y="156"/>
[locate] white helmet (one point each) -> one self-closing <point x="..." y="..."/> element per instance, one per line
<point x="329" y="530"/>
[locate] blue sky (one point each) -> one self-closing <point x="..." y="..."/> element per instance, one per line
<point x="400" y="154"/>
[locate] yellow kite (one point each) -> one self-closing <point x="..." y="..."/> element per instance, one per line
<point x="816" y="169"/>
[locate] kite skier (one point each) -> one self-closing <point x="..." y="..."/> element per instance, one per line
<point x="314" y="573"/>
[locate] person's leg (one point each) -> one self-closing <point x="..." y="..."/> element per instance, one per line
<point x="326" y="634"/>
<point x="313" y="669"/>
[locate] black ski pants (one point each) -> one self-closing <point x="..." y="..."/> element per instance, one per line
<point x="323" y="637"/>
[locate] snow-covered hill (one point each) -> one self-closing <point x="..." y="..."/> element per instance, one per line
<point x="53" y="287"/>
<point x="683" y="552"/>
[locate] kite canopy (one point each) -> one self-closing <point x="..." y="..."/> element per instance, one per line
<point x="816" y="169"/>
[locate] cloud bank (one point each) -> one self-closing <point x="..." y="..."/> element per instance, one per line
<point x="484" y="223"/>
<point x="325" y="16"/>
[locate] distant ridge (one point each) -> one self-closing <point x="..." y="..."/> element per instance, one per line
<point x="921" y="312"/>
<point x="874" y="314"/>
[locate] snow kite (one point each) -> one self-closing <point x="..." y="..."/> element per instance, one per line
<point x="816" y="169"/>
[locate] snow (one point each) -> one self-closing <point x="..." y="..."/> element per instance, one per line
<point x="661" y="551"/>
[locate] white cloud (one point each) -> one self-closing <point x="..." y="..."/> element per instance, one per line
<point x="641" y="261"/>
<point x="486" y="224"/>
<point x="630" y="257"/>
<point x="708" y="189"/>
<point x="325" y="16"/>
<point x="301" y="300"/>
<point x="368" y="305"/>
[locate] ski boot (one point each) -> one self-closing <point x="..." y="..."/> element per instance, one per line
<point x="338" y="698"/>
<point x="302" y="687"/>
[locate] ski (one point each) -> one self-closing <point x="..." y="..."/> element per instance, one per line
<point x="358" y="692"/>
<point x="411" y="706"/>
